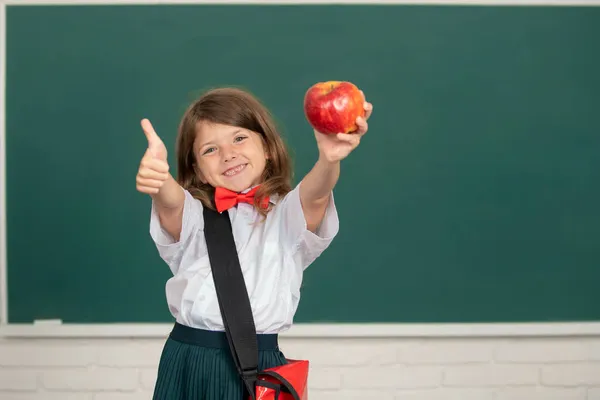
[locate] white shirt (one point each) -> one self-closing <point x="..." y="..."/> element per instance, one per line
<point x="273" y="255"/>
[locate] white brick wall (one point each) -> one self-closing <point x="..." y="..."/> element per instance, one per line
<point x="342" y="369"/>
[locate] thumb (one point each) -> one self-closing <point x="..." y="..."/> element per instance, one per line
<point x="154" y="142"/>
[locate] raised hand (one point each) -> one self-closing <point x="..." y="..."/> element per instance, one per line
<point x="154" y="168"/>
<point x="336" y="147"/>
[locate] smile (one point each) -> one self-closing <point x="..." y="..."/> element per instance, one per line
<point x="235" y="170"/>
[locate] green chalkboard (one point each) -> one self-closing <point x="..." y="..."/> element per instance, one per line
<point x="473" y="198"/>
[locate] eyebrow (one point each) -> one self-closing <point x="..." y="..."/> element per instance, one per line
<point x="233" y="133"/>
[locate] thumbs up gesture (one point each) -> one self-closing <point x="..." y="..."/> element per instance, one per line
<point x="154" y="169"/>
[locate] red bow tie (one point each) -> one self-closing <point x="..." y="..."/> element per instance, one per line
<point x="225" y="198"/>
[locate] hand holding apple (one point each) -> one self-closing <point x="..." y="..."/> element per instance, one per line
<point x="344" y="126"/>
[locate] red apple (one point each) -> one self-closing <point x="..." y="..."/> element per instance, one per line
<point x="332" y="107"/>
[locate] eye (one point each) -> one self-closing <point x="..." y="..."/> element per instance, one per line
<point x="239" y="138"/>
<point x="209" y="150"/>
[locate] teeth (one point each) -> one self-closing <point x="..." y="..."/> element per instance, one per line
<point x="235" y="170"/>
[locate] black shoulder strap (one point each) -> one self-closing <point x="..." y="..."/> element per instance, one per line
<point x="232" y="295"/>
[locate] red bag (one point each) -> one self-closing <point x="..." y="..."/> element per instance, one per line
<point x="286" y="382"/>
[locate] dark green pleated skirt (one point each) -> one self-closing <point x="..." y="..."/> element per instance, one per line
<point x="197" y="365"/>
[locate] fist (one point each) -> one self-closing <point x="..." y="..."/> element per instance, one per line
<point x="154" y="169"/>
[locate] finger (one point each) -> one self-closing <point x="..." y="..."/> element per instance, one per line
<point x="368" y="109"/>
<point x="152" y="174"/>
<point x="148" y="162"/>
<point x="150" y="133"/>
<point x="362" y="125"/>
<point x="149" y="183"/>
<point x="146" y="189"/>
<point x="345" y="137"/>
<point x="350" y="138"/>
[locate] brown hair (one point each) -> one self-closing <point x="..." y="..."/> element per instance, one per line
<point x="235" y="107"/>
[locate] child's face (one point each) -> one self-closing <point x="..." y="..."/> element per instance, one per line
<point x="228" y="156"/>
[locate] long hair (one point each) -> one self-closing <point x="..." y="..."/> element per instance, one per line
<point x="235" y="107"/>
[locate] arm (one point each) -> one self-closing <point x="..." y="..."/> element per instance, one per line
<point x="316" y="187"/>
<point x="315" y="191"/>
<point x="169" y="205"/>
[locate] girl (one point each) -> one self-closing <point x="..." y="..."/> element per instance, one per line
<point x="230" y="156"/>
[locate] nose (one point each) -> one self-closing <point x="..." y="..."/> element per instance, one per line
<point x="228" y="154"/>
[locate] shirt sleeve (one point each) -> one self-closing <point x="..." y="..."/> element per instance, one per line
<point x="305" y="245"/>
<point x="171" y="251"/>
